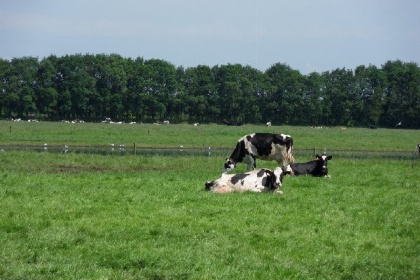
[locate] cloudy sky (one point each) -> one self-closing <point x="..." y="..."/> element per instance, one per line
<point x="307" y="35"/>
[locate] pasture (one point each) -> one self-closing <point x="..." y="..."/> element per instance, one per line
<point x="148" y="135"/>
<point x="90" y="216"/>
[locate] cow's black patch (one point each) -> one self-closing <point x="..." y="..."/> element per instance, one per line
<point x="284" y="140"/>
<point x="236" y="178"/>
<point x="262" y="142"/>
<point x="261" y="173"/>
<point x="237" y="155"/>
<point x="270" y="182"/>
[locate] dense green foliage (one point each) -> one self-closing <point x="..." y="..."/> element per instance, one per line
<point x="92" y="87"/>
<point x="69" y="216"/>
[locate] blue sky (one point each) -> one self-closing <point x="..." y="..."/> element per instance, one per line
<point x="307" y="35"/>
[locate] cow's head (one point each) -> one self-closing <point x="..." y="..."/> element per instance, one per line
<point x="323" y="163"/>
<point x="229" y="165"/>
<point x="274" y="178"/>
<point x="287" y="170"/>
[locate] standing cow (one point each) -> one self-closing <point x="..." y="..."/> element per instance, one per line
<point x="316" y="168"/>
<point x="262" y="180"/>
<point x="265" y="146"/>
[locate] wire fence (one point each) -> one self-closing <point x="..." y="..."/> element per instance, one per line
<point x="122" y="150"/>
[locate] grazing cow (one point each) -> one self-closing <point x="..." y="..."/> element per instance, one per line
<point x="262" y="180"/>
<point x="265" y="146"/>
<point x="317" y="168"/>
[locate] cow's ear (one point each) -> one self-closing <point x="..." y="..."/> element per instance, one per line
<point x="317" y="157"/>
<point x="268" y="173"/>
<point x="329" y="157"/>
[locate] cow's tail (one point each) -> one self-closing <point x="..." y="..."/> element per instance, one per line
<point x="289" y="152"/>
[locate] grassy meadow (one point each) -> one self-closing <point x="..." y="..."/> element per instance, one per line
<point x="148" y="135"/>
<point x="90" y="216"/>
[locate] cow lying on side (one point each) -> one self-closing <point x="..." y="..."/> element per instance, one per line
<point x="265" y="146"/>
<point x="262" y="180"/>
<point x="317" y="168"/>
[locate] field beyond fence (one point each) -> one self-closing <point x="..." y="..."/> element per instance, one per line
<point x="206" y="140"/>
<point x="303" y="153"/>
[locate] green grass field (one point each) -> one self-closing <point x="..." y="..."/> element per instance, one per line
<point x="148" y="135"/>
<point x="89" y="216"/>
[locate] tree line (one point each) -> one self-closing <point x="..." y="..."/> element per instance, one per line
<point x="94" y="87"/>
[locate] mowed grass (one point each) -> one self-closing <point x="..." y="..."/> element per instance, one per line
<point x="78" y="216"/>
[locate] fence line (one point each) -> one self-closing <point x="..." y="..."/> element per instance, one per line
<point x="134" y="149"/>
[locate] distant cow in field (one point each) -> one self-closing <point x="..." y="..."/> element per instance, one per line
<point x="232" y="123"/>
<point x="265" y="146"/>
<point x="316" y="168"/>
<point x="262" y="180"/>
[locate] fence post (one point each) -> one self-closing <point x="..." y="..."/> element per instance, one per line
<point x="135" y="151"/>
<point x="414" y="155"/>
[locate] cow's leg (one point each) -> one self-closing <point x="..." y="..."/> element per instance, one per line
<point x="249" y="167"/>
<point x="256" y="190"/>
<point x="251" y="164"/>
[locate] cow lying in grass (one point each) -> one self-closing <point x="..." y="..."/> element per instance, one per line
<point x="316" y="168"/>
<point x="260" y="180"/>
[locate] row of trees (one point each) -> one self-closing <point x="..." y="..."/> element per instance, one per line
<point x="92" y="87"/>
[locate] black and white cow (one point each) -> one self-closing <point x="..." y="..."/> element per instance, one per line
<point x="317" y="168"/>
<point x="261" y="180"/>
<point x="265" y="146"/>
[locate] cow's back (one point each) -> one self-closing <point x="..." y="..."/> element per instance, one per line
<point x="267" y="146"/>
<point x="261" y="143"/>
